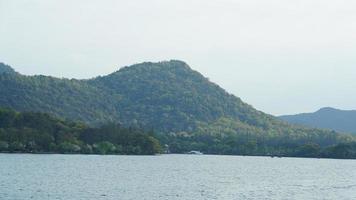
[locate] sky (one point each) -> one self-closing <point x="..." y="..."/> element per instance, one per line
<point x="280" y="56"/>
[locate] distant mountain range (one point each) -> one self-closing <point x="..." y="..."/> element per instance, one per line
<point x="326" y="118"/>
<point x="168" y="97"/>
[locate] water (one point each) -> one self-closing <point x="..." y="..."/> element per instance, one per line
<point x="83" y="177"/>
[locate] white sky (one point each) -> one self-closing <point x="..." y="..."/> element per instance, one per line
<point x="281" y="56"/>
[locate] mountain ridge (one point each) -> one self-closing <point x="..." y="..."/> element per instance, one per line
<point x="6" y="69"/>
<point x="326" y="118"/>
<point x="165" y="72"/>
<point x="168" y="97"/>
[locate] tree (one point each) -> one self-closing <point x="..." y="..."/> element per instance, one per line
<point x="67" y="147"/>
<point x="104" y="148"/>
<point x="4" y="146"/>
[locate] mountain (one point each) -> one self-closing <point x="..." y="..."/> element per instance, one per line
<point x="165" y="95"/>
<point x="169" y="97"/>
<point x="6" y="69"/>
<point x="326" y="118"/>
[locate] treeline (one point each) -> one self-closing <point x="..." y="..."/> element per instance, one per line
<point x="31" y="132"/>
<point x="254" y="147"/>
<point x="231" y="137"/>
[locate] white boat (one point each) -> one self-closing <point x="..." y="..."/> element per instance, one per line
<point x="195" y="153"/>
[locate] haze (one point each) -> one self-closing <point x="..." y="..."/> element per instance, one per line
<point x="281" y="56"/>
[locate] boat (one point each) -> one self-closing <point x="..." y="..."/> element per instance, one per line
<point x="195" y="153"/>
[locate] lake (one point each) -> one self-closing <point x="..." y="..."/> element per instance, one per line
<point x="188" y="177"/>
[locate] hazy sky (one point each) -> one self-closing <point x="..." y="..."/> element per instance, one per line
<point x="281" y="56"/>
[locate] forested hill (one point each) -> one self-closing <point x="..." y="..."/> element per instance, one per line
<point x="69" y="98"/>
<point x="326" y="118"/>
<point x="173" y="97"/>
<point x="6" y="69"/>
<point x="167" y="96"/>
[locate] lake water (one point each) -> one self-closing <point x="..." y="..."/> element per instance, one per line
<point x="187" y="177"/>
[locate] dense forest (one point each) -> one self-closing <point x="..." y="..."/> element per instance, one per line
<point x="186" y="110"/>
<point x="41" y="133"/>
<point x="31" y="132"/>
<point x="249" y="146"/>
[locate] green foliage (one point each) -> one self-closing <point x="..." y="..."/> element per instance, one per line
<point x="231" y="137"/>
<point x="38" y="132"/>
<point x="104" y="148"/>
<point x="166" y="96"/>
<point x="343" y="150"/>
<point x="67" y="147"/>
<point x="16" y="146"/>
<point x="308" y="150"/>
<point x="4" y="146"/>
<point x="169" y="96"/>
<point x="106" y="140"/>
<point x="187" y="110"/>
<point x="72" y="99"/>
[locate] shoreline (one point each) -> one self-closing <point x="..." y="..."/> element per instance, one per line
<point x="176" y="154"/>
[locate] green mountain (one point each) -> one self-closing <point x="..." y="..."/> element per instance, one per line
<point x="69" y="98"/>
<point x="6" y="69"/>
<point x="168" y="97"/>
<point x="326" y="118"/>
